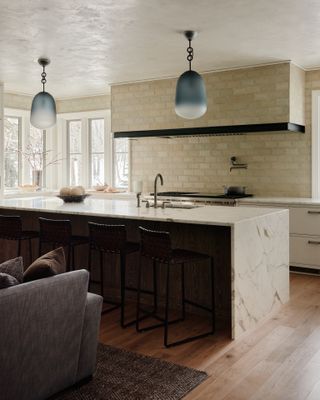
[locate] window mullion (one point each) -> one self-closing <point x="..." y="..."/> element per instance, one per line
<point x="85" y="151"/>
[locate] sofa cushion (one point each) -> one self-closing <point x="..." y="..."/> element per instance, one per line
<point x="7" y="280"/>
<point x="14" y="268"/>
<point x="52" y="263"/>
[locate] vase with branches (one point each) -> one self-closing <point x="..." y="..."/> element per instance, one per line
<point x="39" y="160"/>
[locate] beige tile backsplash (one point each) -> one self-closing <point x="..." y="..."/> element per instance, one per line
<point x="278" y="164"/>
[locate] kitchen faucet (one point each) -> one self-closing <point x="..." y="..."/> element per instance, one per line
<point x="155" y="194"/>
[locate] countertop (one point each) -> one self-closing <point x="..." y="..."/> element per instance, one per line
<point x="280" y="201"/>
<point x="119" y="208"/>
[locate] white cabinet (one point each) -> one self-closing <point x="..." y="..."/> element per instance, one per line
<point x="305" y="221"/>
<point x="305" y="251"/>
<point x="304" y="233"/>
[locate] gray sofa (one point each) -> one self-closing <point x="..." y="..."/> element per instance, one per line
<point x="48" y="336"/>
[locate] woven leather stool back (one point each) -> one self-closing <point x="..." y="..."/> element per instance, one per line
<point x="55" y="231"/>
<point x="155" y="244"/>
<point x="108" y="238"/>
<point x="10" y="227"/>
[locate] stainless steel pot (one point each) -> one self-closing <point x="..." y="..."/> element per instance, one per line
<point x="238" y="190"/>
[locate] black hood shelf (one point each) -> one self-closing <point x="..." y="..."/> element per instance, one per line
<point x="214" y="130"/>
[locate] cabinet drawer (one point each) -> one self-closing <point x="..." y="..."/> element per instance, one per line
<point x="305" y="221"/>
<point x="304" y="250"/>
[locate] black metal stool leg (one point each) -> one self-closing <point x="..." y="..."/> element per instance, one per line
<point x="155" y="291"/>
<point x="138" y="295"/>
<point x="40" y="248"/>
<point x="69" y="258"/>
<point x="19" y="247"/>
<point x="30" y="250"/>
<point x="166" y="318"/>
<point x="89" y="259"/>
<point x="114" y="305"/>
<point x="72" y="262"/>
<point x="101" y="275"/>
<point x="89" y="266"/>
<point x="213" y="305"/>
<point x="122" y="285"/>
<point x="183" y="293"/>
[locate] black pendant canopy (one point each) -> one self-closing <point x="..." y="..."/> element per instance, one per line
<point x="191" y="98"/>
<point x="43" y="108"/>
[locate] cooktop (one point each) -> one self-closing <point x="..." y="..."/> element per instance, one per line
<point x="207" y="195"/>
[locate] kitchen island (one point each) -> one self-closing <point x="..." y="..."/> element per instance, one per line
<point x="250" y="247"/>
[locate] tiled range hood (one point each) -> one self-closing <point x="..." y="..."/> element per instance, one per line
<point x="245" y="101"/>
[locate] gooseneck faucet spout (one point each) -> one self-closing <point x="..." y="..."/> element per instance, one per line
<point x="155" y="193"/>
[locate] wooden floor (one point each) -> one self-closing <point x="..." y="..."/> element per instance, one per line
<point x="280" y="360"/>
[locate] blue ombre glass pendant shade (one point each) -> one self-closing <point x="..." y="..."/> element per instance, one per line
<point x="191" y="98"/>
<point x="43" y="111"/>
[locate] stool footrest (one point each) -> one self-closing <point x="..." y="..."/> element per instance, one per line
<point x="134" y="321"/>
<point x="94" y="281"/>
<point x="129" y="288"/>
<point x="162" y="320"/>
<point x="189" y="339"/>
<point x="192" y="303"/>
<point x="114" y="305"/>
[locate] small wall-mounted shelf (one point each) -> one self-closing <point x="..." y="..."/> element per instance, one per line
<point x="236" y="165"/>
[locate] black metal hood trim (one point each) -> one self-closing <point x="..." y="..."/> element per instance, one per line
<point x="214" y="130"/>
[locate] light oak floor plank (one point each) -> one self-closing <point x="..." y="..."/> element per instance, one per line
<point x="279" y="360"/>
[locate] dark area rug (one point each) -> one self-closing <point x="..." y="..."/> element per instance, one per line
<point x="123" y="375"/>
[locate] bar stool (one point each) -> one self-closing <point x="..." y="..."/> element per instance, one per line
<point x="112" y="239"/>
<point x="59" y="233"/>
<point x="11" y="229"/>
<point x="156" y="245"/>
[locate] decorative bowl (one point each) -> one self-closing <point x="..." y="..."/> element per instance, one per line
<point x="73" y="199"/>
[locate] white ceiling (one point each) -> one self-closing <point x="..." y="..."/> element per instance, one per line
<point x="98" y="42"/>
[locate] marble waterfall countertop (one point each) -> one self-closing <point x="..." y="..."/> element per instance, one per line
<point x="116" y="208"/>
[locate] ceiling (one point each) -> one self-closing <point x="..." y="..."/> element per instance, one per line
<point x="99" y="42"/>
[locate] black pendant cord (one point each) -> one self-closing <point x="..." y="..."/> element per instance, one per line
<point x="190" y="54"/>
<point x="43" y="78"/>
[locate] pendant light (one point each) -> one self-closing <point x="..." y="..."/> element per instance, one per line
<point x="43" y="108"/>
<point x="191" y="99"/>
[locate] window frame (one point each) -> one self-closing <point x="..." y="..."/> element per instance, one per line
<point x="113" y="164"/>
<point x="315" y="144"/>
<point x="19" y="118"/>
<point x="24" y="168"/>
<point x="69" y="121"/>
<point x="85" y="118"/>
<point x="91" y="153"/>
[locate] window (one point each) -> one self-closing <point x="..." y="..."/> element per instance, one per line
<point x="121" y="163"/>
<point x="12" y="155"/>
<point x="74" y="152"/>
<point x="97" y="143"/>
<point x="36" y="150"/>
<point x="89" y="153"/>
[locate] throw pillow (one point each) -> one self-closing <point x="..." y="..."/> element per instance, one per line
<point x="49" y="264"/>
<point x="7" y="280"/>
<point x="14" y="268"/>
